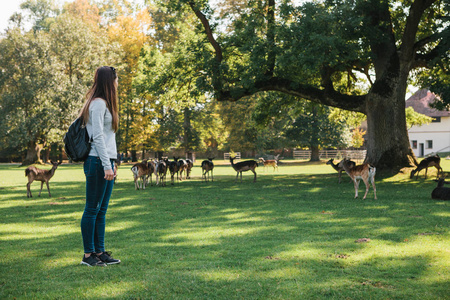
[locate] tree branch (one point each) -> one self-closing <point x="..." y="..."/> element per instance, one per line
<point x="208" y="31"/>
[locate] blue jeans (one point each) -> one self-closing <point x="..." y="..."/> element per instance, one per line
<point x="98" y="192"/>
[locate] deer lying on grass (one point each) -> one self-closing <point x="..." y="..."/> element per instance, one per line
<point x="338" y="167"/>
<point x="34" y="173"/>
<point x="270" y="162"/>
<point x="207" y="167"/>
<point x="366" y="172"/>
<point x="432" y="161"/>
<point x="174" y="169"/>
<point x="140" y="171"/>
<point x="441" y="192"/>
<point x="243" y="166"/>
<point x="190" y="164"/>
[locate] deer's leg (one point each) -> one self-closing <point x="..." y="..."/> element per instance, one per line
<point x="29" y="190"/>
<point x="356" y="184"/>
<point x="48" y="189"/>
<point x="42" y="184"/>
<point x="366" y="182"/>
<point x="426" y="171"/>
<point x="340" y="173"/>
<point x="254" y="179"/>
<point x="374" y="188"/>
<point x="237" y="176"/>
<point x="212" y="175"/>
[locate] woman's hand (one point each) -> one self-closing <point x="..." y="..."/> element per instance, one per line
<point x="109" y="174"/>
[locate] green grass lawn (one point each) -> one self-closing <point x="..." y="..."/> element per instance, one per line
<point x="291" y="235"/>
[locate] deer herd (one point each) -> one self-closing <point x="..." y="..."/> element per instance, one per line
<point x="144" y="171"/>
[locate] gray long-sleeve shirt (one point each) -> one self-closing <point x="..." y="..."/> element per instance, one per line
<point x="99" y="127"/>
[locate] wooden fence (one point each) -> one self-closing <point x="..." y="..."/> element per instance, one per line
<point x="327" y="154"/>
<point x="226" y="156"/>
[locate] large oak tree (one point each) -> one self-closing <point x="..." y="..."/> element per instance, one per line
<point x="315" y="52"/>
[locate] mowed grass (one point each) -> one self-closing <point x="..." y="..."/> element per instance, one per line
<point x="294" y="234"/>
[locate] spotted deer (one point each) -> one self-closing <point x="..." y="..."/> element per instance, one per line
<point x="140" y="172"/>
<point x="243" y="166"/>
<point x="34" y="173"/>
<point x="366" y="172"/>
<point x="270" y="162"/>
<point x="207" y="167"/>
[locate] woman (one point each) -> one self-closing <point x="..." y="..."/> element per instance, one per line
<point x="100" y="114"/>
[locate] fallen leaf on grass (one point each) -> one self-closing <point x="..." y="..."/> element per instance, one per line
<point x="428" y="233"/>
<point x="342" y="256"/>
<point x="271" y="257"/>
<point x="363" y="240"/>
<point x="326" y="212"/>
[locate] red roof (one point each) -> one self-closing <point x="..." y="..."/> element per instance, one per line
<point x="420" y="103"/>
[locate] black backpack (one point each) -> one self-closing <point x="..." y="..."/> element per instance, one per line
<point x="77" y="143"/>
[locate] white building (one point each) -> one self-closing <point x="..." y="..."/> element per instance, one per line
<point x="433" y="137"/>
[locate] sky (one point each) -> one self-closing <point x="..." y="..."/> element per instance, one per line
<point x="7" y="8"/>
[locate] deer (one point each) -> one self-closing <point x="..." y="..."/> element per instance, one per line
<point x="162" y="171"/>
<point x="207" y="167"/>
<point x="366" y="172"/>
<point x="34" y="173"/>
<point x="243" y="166"/>
<point x="190" y="165"/>
<point x="174" y="169"/>
<point x="140" y="171"/>
<point x="182" y="166"/>
<point x="431" y="161"/>
<point x="270" y="162"/>
<point x="151" y="165"/>
<point x="338" y="167"/>
<point x="441" y="192"/>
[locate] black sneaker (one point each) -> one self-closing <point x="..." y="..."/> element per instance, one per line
<point x="92" y="261"/>
<point x="107" y="259"/>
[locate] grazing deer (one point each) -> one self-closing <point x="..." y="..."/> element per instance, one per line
<point x="162" y="171"/>
<point x="441" y="192"/>
<point x="34" y="173"/>
<point x="243" y="166"/>
<point x="140" y="171"/>
<point x="366" y="172"/>
<point x="207" y="167"/>
<point x="190" y="165"/>
<point x="270" y="162"/>
<point x="432" y="161"/>
<point x="174" y="169"/>
<point x="338" y="167"/>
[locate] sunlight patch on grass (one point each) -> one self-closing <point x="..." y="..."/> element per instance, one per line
<point x="20" y="231"/>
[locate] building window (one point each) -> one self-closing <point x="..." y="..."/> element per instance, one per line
<point x="414" y="144"/>
<point x="429" y="144"/>
<point x="436" y="120"/>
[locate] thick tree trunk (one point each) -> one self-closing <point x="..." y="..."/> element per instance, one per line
<point x="33" y="154"/>
<point x="388" y="142"/>
<point x="314" y="153"/>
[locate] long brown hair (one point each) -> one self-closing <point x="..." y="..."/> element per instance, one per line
<point x="104" y="88"/>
